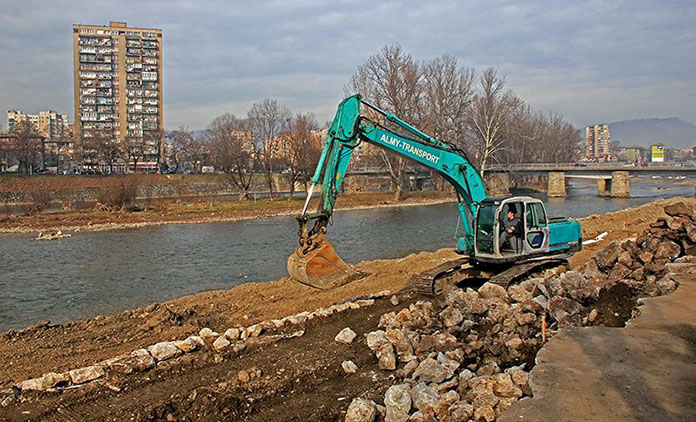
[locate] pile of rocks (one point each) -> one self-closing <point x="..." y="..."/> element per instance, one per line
<point x="464" y="358"/>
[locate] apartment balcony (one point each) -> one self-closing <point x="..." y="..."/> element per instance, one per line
<point x="88" y="41"/>
<point x="88" y="91"/>
<point x="90" y="50"/>
<point x="104" y="101"/>
<point x="104" y="75"/>
<point x="150" y="60"/>
<point x="87" y="100"/>
<point x="150" y="110"/>
<point x="133" y="52"/>
<point x="88" y="83"/>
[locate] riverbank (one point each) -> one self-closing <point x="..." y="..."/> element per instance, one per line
<point x="46" y="347"/>
<point x="462" y="354"/>
<point x="201" y="211"/>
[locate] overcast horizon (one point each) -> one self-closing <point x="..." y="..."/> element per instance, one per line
<point x="592" y="61"/>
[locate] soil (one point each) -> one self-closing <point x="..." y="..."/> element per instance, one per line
<point x="301" y="378"/>
<point x="157" y="212"/>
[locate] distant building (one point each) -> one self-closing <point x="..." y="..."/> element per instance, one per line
<point x="54" y="129"/>
<point x="49" y="124"/>
<point x="657" y="153"/>
<point x="597" y="142"/>
<point x="118" y="88"/>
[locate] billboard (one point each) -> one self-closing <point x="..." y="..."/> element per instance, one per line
<point x="657" y="153"/>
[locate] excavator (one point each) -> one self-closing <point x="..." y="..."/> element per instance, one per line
<point x="540" y="242"/>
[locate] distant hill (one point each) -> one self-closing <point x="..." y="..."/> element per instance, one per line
<point x="671" y="131"/>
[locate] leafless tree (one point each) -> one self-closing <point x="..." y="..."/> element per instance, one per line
<point x="181" y="142"/>
<point x="267" y="120"/>
<point x="448" y="94"/>
<point x="303" y="149"/>
<point x="106" y="149"/>
<point x="232" y="150"/>
<point x="26" y="145"/>
<point x="392" y="80"/>
<point x="134" y="149"/>
<point x="488" y="117"/>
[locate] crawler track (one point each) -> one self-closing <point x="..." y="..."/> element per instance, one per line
<point x="463" y="271"/>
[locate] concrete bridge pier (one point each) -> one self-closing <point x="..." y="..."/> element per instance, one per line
<point x="557" y="185"/>
<point x="616" y="187"/>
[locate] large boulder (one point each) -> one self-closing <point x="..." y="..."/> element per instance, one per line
<point x="164" y="350"/>
<point x="397" y="400"/>
<point x="345" y="336"/>
<point x="430" y="370"/>
<point x="608" y="256"/>
<point x="86" y="374"/>
<point x="561" y="308"/>
<point x="424" y="397"/>
<point x="491" y="290"/>
<point x="361" y="410"/>
<point x="680" y="209"/>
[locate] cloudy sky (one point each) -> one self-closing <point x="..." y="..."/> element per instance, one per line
<point x="593" y="61"/>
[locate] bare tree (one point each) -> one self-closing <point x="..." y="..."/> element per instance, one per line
<point x="267" y="120"/>
<point x="26" y="145"/>
<point x="107" y="149"/>
<point x="303" y="149"/>
<point x="488" y="117"/>
<point x="134" y="148"/>
<point x="232" y="150"/>
<point x="392" y="80"/>
<point x="448" y="93"/>
<point x="180" y="144"/>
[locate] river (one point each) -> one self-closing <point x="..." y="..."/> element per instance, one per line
<point x="95" y="273"/>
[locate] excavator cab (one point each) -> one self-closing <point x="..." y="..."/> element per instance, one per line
<point x="510" y="228"/>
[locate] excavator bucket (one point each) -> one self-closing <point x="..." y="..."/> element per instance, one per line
<point x="321" y="267"/>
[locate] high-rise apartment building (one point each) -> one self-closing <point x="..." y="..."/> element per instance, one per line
<point x="50" y="124"/>
<point x="118" y="90"/>
<point x="597" y="143"/>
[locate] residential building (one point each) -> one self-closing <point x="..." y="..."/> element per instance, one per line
<point x="118" y="90"/>
<point x="597" y="142"/>
<point x="54" y="129"/>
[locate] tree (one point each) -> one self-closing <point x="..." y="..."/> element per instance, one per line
<point x="180" y="144"/>
<point x="448" y="93"/>
<point x="267" y="120"/>
<point x="303" y="149"/>
<point x="232" y="150"/>
<point x="107" y="149"/>
<point x="392" y="80"/>
<point x="134" y="148"/>
<point x="26" y="145"/>
<point x="488" y="117"/>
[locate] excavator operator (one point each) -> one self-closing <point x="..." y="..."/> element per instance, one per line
<point x="511" y="227"/>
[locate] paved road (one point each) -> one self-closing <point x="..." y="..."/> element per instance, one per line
<point x="644" y="372"/>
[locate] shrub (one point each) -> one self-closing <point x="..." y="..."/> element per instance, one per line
<point x="121" y="196"/>
<point x="39" y="201"/>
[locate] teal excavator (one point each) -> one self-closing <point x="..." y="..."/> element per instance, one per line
<point x="537" y="242"/>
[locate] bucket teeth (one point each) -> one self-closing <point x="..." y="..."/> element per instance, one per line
<point x="321" y="267"/>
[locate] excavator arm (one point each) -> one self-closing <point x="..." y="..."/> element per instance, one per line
<point x="315" y="262"/>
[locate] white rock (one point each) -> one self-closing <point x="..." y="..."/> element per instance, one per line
<point x="361" y="410"/>
<point x="221" y="343"/>
<point x="394" y="300"/>
<point x="86" y="374"/>
<point x="398" y="403"/>
<point x="349" y="367"/>
<point x="232" y="333"/>
<point x="164" y="350"/>
<point x="198" y="340"/>
<point x="45" y="382"/>
<point x="188" y="345"/>
<point x="345" y="336"/>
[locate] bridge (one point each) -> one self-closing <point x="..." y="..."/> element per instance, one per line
<point x="612" y="178"/>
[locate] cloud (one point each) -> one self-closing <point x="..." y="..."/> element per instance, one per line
<point x="590" y="60"/>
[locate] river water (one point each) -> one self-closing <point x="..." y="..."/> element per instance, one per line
<point x="95" y="273"/>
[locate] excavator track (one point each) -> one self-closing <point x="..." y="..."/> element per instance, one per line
<point x="434" y="281"/>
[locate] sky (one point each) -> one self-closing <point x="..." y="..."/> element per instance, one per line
<point x="592" y="61"/>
